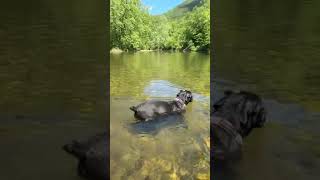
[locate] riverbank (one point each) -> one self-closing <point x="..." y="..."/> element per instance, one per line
<point x="118" y="51"/>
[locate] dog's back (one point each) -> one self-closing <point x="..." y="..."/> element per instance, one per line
<point x="152" y="108"/>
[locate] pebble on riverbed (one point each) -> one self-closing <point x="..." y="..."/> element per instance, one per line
<point x="207" y="142"/>
<point x="203" y="176"/>
<point x="150" y="165"/>
<point x="160" y="168"/>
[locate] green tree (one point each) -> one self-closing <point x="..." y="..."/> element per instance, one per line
<point x="133" y="28"/>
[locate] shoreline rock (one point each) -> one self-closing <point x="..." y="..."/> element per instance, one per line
<point x="116" y="51"/>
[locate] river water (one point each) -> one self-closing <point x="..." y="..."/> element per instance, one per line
<point x="52" y="85"/>
<point x="170" y="148"/>
<point x="272" y="49"/>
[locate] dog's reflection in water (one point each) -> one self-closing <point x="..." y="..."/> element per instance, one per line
<point x="154" y="126"/>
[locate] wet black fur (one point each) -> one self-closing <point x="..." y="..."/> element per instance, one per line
<point x="232" y="118"/>
<point x="92" y="155"/>
<point x="153" y="108"/>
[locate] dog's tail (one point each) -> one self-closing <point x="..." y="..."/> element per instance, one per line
<point x="133" y="108"/>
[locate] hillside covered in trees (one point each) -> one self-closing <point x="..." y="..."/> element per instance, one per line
<point x="186" y="27"/>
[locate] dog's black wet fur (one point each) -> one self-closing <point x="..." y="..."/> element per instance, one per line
<point x="232" y="118"/>
<point x="92" y="155"/>
<point x="153" y="108"/>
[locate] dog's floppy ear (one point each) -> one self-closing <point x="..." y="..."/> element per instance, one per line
<point x="261" y="119"/>
<point x="190" y="97"/>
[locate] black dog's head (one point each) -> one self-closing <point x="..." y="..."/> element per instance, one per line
<point x="185" y="96"/>
<point x="244" y="110"/>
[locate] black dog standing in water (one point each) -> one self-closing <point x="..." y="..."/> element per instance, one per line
<point x="232" y="118"/>
<point x="153" y="108"/>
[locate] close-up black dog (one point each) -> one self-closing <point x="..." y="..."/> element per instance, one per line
<point x="232" y="118"/>
<point x="92" y="155"/>
<point x="153" y="108"/>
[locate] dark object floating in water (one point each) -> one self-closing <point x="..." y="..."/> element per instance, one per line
<point x="232" y="118"/>
<point x="92" y="155"/>
<point x="154" y="108"/>
<point x="158" y="123"/>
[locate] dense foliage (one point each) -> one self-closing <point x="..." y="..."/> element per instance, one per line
<point x="133" y="28"/>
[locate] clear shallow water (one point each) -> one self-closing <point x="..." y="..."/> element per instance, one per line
<point x="271" y="48"/>
<point x="162" y="88"/>
<point x="176" y="149"/>
<point x="52" y="85"/>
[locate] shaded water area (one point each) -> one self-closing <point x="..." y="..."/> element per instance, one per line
<point x="52" y="85"/>
<point x="272" y="48"/>
<point x="174" y="147"/>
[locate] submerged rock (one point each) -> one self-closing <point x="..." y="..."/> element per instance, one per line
<point x="116" y="51"/>
<point x="203" y="176"/>
<point x="207" y="142"/>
